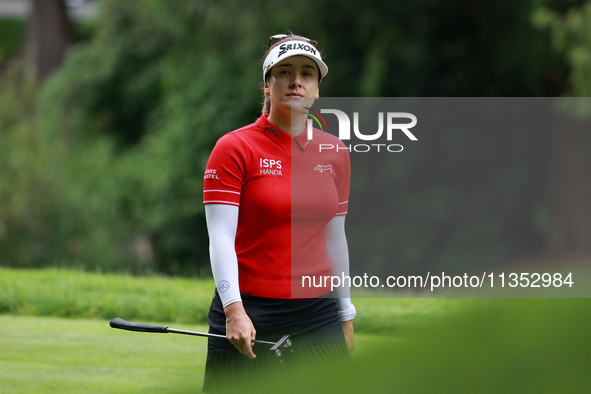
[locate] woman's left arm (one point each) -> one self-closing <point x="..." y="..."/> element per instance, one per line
<point x="338" y="254"/>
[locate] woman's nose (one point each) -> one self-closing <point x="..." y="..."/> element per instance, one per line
<point x="296" y="81"/>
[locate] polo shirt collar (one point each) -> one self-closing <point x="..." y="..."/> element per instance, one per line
<point x="302" y="140"/>
<point x="279" y="136"/>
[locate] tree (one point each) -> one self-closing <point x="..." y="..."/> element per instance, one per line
<point x="569" y="143"/>
<point x="135" y="111"/>
<point x="49" y="36"/>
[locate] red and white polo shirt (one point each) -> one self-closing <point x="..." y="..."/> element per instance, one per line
<point x="287" y="191"/>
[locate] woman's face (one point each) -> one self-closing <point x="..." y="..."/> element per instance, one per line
<point x="292" y="84"/>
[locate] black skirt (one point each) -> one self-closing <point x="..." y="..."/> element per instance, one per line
<point x="313" y="327"/>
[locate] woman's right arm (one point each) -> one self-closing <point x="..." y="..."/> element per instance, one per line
<point x="222" y="221"/>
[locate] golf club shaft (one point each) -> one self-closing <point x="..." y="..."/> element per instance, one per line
<point x="141" y="327"/>
<point x="207" y="334"/>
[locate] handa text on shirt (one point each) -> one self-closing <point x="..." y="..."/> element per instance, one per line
<point x="266" y="171"/>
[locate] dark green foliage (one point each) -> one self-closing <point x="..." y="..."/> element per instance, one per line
<point x="11" y="34"/>
<point x="501" y="346"/>
<point x="104" y="167"/>
<point x="156" y="92"/>
<point x="571" y="37"/>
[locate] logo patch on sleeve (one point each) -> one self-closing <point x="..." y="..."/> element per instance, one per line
<point x="210" y="174"/>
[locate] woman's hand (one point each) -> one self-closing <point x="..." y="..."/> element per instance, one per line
<point x="349" y="337"/>
<point x="239" y="329"/>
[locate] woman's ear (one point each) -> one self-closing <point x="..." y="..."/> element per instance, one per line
<point x="266" y="89"/>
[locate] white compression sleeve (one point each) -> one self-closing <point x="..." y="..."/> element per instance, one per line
<point x="222" y="221"/>
<point x="346" y="309"/>
<point x="338" y="254"/>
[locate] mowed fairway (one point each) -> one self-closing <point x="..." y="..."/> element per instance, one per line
<point x="403" y="345"/>
<point x="43" y="354"/>
<point x="519" y="346"/>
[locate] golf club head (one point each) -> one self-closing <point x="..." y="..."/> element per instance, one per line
<point x="281" y="345"/>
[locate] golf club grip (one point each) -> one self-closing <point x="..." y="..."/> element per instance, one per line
<point x="130" y="326"/>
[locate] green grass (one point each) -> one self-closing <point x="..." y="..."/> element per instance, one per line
<point x="503" y="346"/>
<point x="397" y="316"/>
<point x="403" y="345"/>
<point x="154" y="299"/>
<point x="45" y="354"/>
<point x="70" y="293"/>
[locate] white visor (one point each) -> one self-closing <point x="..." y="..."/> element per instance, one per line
<point x="294" y="48"/>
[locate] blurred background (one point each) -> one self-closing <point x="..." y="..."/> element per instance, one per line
<point x="109" y="109"/>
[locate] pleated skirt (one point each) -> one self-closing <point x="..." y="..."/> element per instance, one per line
<point x="312" y="324"/>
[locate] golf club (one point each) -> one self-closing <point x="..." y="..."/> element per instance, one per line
<point x="278" y="347"/>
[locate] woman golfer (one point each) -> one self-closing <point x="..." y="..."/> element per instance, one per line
<point x="275" y="206"/>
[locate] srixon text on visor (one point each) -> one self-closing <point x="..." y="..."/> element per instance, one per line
<point x="391" y="127"/>
<point x="296" y="46"/>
